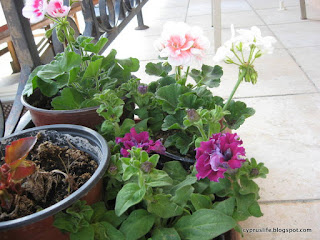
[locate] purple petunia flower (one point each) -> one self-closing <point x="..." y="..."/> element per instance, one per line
<point x="221" y="153"/>
<point x="139" y="140"/>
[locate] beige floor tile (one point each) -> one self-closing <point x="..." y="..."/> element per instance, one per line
<point x="261" y="4"/>
<point x="284" y="134"/>
<point x="309" y="59"/>
<point x="239" y="19"/>
<point x="304" y="34"/>
<point x="285" y="216"/>
<point x="290" y="15"/>
<point x="164" y="12"/>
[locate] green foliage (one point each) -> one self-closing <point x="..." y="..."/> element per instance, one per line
<point x="158" y="69"/>
<point x="84" y="74"/>
<point x="238" y="114"/>
<point x="204" y="224"/>
<point x="209" y="76"/>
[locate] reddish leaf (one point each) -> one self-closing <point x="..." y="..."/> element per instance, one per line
<point x="25" y="169"/>
<point x="18" y="151"/>
<point x="5" y="199"/>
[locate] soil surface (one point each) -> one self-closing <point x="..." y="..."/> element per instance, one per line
<point x="60" y="171"/>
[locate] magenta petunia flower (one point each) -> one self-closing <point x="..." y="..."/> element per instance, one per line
<point x="139" y="140"/>
<point x="222" y="152"/>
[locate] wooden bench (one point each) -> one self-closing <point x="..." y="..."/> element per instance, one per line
<point x="111" y="19"/>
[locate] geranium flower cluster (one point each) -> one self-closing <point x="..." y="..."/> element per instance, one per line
<point x="222" y="152"/>
<point x="36" y="10"/>
<point x="182" y="44"/>
<point x="139" y="140"/>
<point x="245" y="47"/>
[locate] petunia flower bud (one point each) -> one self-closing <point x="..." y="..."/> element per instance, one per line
<point x="146" y="167"/>
<point x="142" y="89"/>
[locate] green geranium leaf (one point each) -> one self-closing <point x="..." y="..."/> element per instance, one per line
<point x="99" y="209"/>
<point x="130" y="64"/>
<point x="32" y="82"/>
<point x="162" y="206"/>
<point x="48" y="89"/>
<point x="126" y="126"/>
<point x="181" y="141"/>
<point x="158" y="178"/>
<point x="129" y="195"/>
<point x="106" y="231"/>
<point x="137" y="224"/>
<point x="93" y="69"/>
<point x="109" y="60"/>
<point x="175" y="170"/>
<point x="190" y="101"/>
<point x="165" y="234"/>
<point x="165" y="81"/>
<point x="158" y="69"/>
<point x="85" y="233"/>
<point x="204" y="224"/>
<point x="174" y="121"/>
<point x="69" y="99"/>
<point x="226" y="206"/>
<point x="209" y="76"/>
<point x="94" y="48"/>
<point x="200" y="201"/>
<point x="63" y="64"/>
<point x="238" y="114"/>
<point x="169" y="95"/>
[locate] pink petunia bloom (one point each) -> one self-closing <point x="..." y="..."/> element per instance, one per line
<point x="181" y="44"/>
<point x="222" y="152"/>
<point x="35" y="10"/>
<point x="139" y="140"/>
<point x="57" y="9"/>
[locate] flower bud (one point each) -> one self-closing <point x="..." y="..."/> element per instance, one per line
<point x="113" y="169"/>
<point x="254" y="172"/>
<point x="193" y="116"/>
<point x="146" y="167"/>
<point x="142" y="89"/>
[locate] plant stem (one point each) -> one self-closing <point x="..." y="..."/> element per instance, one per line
<point x="203" y="134"/>
<point x="234" y="89"/>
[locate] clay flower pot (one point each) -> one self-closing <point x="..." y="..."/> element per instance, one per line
<point x="87" y="117"/>
<point x="39" y="225"/>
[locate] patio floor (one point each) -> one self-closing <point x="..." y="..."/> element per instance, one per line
<point x="285" y="131"/>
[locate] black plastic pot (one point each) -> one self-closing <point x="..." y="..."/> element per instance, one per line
<point x="82" y="138"/>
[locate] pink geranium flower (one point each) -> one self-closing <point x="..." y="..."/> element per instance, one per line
<point x="181" y="44"/>
<point x="57" y="9"/>
<point x="35" y="10"/>
<point x="221" y="153"/>
<point x="139" y="140"/>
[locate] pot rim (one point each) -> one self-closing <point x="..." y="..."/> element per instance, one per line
<point x="78" y="131"/>
<point x="33" y="108"/>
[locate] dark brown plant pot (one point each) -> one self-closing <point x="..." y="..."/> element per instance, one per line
<point x="87" y="117"/>
<point x="39" y="225"/>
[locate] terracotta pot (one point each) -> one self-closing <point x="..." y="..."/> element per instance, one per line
<point x="87" y="117"/>
<point x="39" y="225"/>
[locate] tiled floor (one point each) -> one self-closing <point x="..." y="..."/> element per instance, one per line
<point x="285" y="131"/>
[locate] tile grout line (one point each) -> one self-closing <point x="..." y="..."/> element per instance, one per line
<point x="284" y="47"/>
<point x="277" y="95"/>
<point x="290" y="201"/>
<point x="188" y="5"/>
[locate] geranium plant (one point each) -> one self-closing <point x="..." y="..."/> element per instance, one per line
<point x="211" y="188"/>
<point x="72" y="79"/>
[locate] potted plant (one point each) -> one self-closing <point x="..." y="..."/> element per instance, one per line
<point x="63" y="90"/>
<point x="45" y="170"/>
<point x="178" y="172"/>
